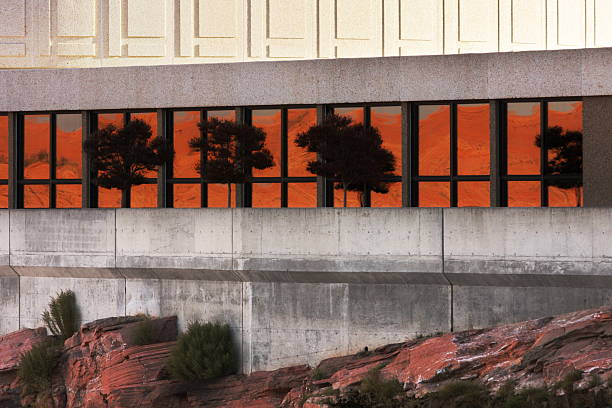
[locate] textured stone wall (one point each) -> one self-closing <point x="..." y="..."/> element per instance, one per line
<point x="92" y="33"/>
<point x="301" y="285"/>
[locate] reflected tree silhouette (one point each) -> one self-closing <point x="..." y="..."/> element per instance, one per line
<point x="122" y="156"/>
<point x="232" y="150"/>
<point x="350" y="153"/>
<point x="564" y="158"/>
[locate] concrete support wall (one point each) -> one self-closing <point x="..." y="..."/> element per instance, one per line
<point x="300" y="285"/>
<point x="597" y="151"/>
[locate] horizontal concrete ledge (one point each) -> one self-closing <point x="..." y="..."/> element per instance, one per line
<point x="571" y="73"/>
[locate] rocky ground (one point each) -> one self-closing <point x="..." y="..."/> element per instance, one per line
<point x="101" y="366"/>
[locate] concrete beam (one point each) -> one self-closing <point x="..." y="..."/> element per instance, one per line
<point x="572" y="73"/>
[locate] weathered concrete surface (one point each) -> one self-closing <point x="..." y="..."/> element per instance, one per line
<point x="9" y="300"/>
<point x="97" y="297"/>
<point x="535" y="74"/>
<point x="597" y="150"/>
<point x="68" y="238"/>
<point x="4" y="237"/>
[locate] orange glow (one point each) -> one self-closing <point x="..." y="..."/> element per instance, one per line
<point x="69" y="146"/>
<point x="434" y="194"/>
<point x="151" y="119"/>
<point x="109" y="198"/>
<point x="570" y="197"/>
<point x="298" y="121"/>
<point x="144" y="196"/>
<point x="187" y="195"/>
<point x="523" y="127"/>
<point x="524" y="194"/>
<point x="105" y="119"/>
<point x="266" y="195"/>
<point x="354" y="113"/>
<point x="36" y="147"/>
<point x="217" y="196"/>
<point x="270" y="121"/>
<point x="568" y="115"/>
<point x="473" y="139"/>
<point x="392" y="199"/>
<point x="3" y="147"/>
<point x="68" y="196"/>
<point x="434" y="140"/>
<point x="388" y="121"/>
<point x="185" y="129"/>
<point x="302" y="195"/>
<point x="473" y="194"/>
<point x="352" y="198"/>
<point x="3" y="196"/>
<point x="36" y="196"/>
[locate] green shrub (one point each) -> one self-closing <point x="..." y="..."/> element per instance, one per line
<point x="62" y="318"/>
<point x="37" y="366"/>
<point x="462" y="394"/>
<point x="374" y="392"/>
<point x="143" y="333"/>
<point x="204" y="351"/>
<point x="319" y="374"/>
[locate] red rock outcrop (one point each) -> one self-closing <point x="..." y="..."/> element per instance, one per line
<point x="101" y="367"/>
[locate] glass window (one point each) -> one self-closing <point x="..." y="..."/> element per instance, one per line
<point x="109" y="198"/>
<point x="270" y="121"/>
<point x="68" y="196"/>
<point x="473" y="139"/>
<point x="37" y="135"/>
<point x="105" y="119"/>
<point x="187" y="195"/>
<point x="355" y="113"/>
<point x="151" y="119"/>
<point x="36" y="196"/>
<point x="222" y="114"/>
<point x="434" y="140"/>
<point x="302" y="195"/>
<point x="69" y="137"/>
<point x="523" y="132"/>
<point x="353" y="198"/>
<point x="185" y="159"/>
<point x="434" y="194"/>
<point x="524" y="194"/>
<point x="565" y="197"/>
<point x="266" y="195"/>
<point x="144" y="196"/>
<point x="473" y="194"/>
<point x="391" y="199"/>
<point x="217" y="195"/>
<point x="4" y="146"/>
<point x="3" y="196"/>
<point x="298" y="121"/>
<point x="388" y="121"/>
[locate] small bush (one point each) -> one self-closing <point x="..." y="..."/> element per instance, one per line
<point x="62" y="318"/>
<point x="143" y="333"/>
<point x="374" y="392"/>
<point x="37" y="366"/>
<point x="319" y="374"/>
<point x="203" y="352"/>
<point x="462" y="394"/>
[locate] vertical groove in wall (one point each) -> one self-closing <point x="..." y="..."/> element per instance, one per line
<point x="450" y="284"/>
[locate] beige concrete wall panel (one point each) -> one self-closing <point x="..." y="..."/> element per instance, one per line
<point x="522" y="25"/>
<point x="146" y="18"/>
<point x="43" y="8"/>
<point x="414" y="27"/>
<point x="566" y="24"/>
<point x="13" y="18"/>
<point x="115" y="28"/>
<point x="471" y="26"/>
<point x="220" y="29"/>
<point x="76" y="18"/>
<point x="602" y="23"/>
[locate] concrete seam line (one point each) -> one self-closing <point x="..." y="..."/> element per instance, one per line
<point x="443" y="257"/>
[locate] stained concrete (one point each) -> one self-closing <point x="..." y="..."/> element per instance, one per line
<point x="300" y="285"/>
<point x="532" y="74"/>
<point x="597" y="148"/>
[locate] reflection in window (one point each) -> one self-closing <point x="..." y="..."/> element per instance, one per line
<point x="68" y="196"/>
<point x="302" y="195"/>
<point x="434" y="140"/>
<point x="353" y="198"/>
<point x="473" y="194"/>
<point x="151" y="119"/>
<point x="36" y="196"/>
<point x="298" y="121"/>
<point x="144" y="196"/>
<point x="3" y="196"/>
<point x="69" y="146"/>
<point x="524" y="194"/>
<point x="565" y="197"/>
<point x="187" y="195"/>
<point x="37" y="135"/>
<point x="523" y="129"/>
<point x="3" y="147"/>
<point x="392" y="199"/>
<point x="434" y="194"/>
<point x="217" y="195"/>
<point x="388" y="121"/>
<point x="354" y="113"/>
<point x="270" y="121"/>
<point x="109" y="198"/>
<point x="105" y="119"/>
<point x="185" y="129"/>
<point x="473" y="139"/>
<point x="266" y="195"/>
